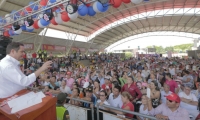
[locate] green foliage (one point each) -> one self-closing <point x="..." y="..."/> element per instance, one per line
<point x="183" y="47"/>
<point x="176" y="48"/>
<point x="171" y="48"/>
<point x="128" y="55"/>
<point x="159" y="49"/>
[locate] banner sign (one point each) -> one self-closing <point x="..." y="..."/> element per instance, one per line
<point x="74" y="49"/>
<point x="93" y="50"/>
<point x="82" y="49"/>
<point x="53" y="47"/>
<point x="28" y="46"/>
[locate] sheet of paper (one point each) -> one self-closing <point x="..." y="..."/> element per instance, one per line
<point x="148" y="92"/>
<point x="18" y="100"/>
<point x="26" y="104"/>
<point x="25" y="101"/>
<point x="40" y="94"/>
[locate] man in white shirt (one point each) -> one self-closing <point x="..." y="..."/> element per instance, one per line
<point x="12" y="80"/>
<point x="189" y="101"/>
<point x="145" y="72"/>
<point x="115" y="98"/>
<point x="165" y="92"/>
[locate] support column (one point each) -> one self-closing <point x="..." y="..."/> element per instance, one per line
<point x="42" y="38"/>
<point x="74" y="38"/>
<point x="89" y="46"/>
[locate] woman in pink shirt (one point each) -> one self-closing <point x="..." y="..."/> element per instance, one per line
<point x="69" y="80"/>
<point x="173" y="85"/>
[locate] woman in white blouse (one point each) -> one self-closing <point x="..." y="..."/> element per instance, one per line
<point x="143" y="108"/>
<point x="64" y="88"/>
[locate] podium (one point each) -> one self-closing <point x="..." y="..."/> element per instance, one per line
<point x="42" y="111"/>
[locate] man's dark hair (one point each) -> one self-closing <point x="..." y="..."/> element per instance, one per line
<point x="13" y="45"/>
<point x="54" y="77"/>
<point x="118" y="87"/>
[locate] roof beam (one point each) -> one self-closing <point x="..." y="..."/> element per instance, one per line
<point x="6" y="11"/>
<point x="14" y="3"/>
<point x="2" y="3"/>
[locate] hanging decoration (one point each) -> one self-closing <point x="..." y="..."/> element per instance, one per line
<point x="28" y="9"/>
<point x="115" y="3"/>
<point x="11" y="32"/>
<point x="2" y="21"/>
<point x="91" y="11"/>
<point x="23" y="27"/>
<point x="126" y="1"/>
<point x="64" y="16"/>
<point x="6" y="33"/>
<point x="58" y="18"/>
<point x="57" y="14"/>
<point x="35" y="25"/>
<point x="40" y="25"/>
<point x="98" y="7"/>
<point x="73" y="16"/>
<point x="82" y="10"/>
<point x="8" y="18"/>
<point x="29" y="22"/>
<point x="72" y="7"/>
<point x="53" y="21"/>
<point x="43" y="2"/>
<point x="17" y="29"/>
<point x="29" y="29"/>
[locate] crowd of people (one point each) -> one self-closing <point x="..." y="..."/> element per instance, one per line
<point x="167" y="88"/>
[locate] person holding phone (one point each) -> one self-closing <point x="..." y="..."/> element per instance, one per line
<point x="12" y="80"/>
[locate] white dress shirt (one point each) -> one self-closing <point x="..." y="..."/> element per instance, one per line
<point x="117" y="102"/>
<point x="65" y="90"/>
<point x="12" y="80"/>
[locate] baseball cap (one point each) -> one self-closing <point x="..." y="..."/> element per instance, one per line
<point x="174" y="97"/>
<point x="61" y="97"/>
<point x="107" y="78"/>
<point x="69" y="73"/>
<point x="86" y="84"/>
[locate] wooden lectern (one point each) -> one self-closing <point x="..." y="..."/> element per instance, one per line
<point x="42" y="111"/>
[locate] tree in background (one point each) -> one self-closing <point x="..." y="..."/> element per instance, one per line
<point x="159" y="49"/>
<point x="171" y="48"/>
<point x="183" y="47"/>
<point x="176" y="48"/>
<point x="128" y="55"/>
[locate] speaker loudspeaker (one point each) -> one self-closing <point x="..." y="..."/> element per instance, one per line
<point x="3" y="46"/>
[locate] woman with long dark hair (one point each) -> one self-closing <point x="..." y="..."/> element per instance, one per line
<point x="154" y="94"/>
